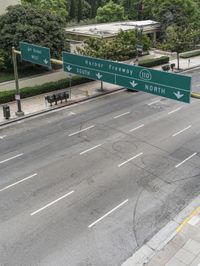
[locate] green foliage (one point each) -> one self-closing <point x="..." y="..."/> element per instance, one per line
<point x="79" y="10"/>
<point x="2" y="60"/>
<point x="8" y="96"/>
<point x="190" y="54"/>
<point x="30" y="24"/>
<point x="110" y="12"/>
<point x="154" y="62"/>
<point x="122" y="47"/>
<point x="171" y="12"/>
<point x="133" y="9"/>
<point x="178" y="39"/>
<point x="56" y="7"/>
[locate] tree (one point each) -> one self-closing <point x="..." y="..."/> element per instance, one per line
<point x="72" y="9"/>
<point x="30" y="24"/>
<point x="171" y="12"/>
<point x="56" y="7"/>
<point x="132" y="8"/>
<point x="86" y="10"/>
<point x="80" y="10"/>
<point x="2" y="60"/>
<point x="179" y="39"/>
<point x="120" y="48"/>
<point x="110" y="12"/>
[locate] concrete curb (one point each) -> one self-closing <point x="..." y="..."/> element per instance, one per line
<point x="7" y="122"/>
<point x="142" y="256"/>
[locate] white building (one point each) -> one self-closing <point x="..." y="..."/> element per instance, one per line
<point x="5" y="3"/>
<point x="77" y="35"/>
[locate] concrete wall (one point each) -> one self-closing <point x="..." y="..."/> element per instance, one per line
<point x="5" y="3"/>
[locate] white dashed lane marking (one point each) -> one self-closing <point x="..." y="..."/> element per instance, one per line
<point x="181" y="131"/>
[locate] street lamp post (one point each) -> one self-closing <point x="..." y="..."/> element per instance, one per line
<point x="139" y="30"/>
<point x="17" y="96"/>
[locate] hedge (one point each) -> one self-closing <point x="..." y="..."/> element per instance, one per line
<point x="154" y="61"/>
<point x="190" y="54"/>
<point x="8" y="96"/>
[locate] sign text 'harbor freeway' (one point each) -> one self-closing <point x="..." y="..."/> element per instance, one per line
<point x="169" y="85"/>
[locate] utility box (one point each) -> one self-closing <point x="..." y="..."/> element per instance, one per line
<point x="6" y="111"/>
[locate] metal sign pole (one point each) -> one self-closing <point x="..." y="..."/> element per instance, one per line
<point x="101" y="85"/>
<point x="17" y="96"/>
<point x="70" y="86"/>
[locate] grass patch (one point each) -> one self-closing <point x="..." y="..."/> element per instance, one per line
<point x="4" y="76"/>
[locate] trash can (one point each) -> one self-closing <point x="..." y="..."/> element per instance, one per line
<point x="6" y="111"/>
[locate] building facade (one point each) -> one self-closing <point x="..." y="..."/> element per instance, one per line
<point x="5" y="3"/>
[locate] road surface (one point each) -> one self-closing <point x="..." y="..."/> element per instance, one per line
<point x="90" y="184"/>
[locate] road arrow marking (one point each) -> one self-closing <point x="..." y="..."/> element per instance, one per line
<point x="69" y="68"/>
<point x="46" y="61"/>
<point x="178" y="95"/>
<point x="133" y="83"/>
<point x="99" y="75"/>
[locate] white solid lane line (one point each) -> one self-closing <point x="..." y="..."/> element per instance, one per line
<point x="87" y="128"/>
<point x="131" y="130"/>
<point x="119" y="165"/>
<point x="179" y="132"/>
<point x="51" y="203"/>
<point x="174" y="111"/>
<point x="90" y="149"/>
<point x="2" y="137"/>
<point x="154" y="102"/>
<point x="114" y="209"/>
<point x="121" y="115"/>
<point x="186" y="159"/>
<point x="6" y="160"/>
<point x="20" y="181"/>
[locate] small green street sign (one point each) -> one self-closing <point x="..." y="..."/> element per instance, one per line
<point x="169" y="85"/>
<point x="139" y="47"/>
<point x="35" y="54"/>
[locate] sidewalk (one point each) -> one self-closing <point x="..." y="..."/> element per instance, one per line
<point x="183" y="249"/>
<point x="37" y="104"/>
<point x="177" y="244"/>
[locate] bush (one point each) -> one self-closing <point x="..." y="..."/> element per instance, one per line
<point x="8" y="96"/>
<point x="154" y="62"/>
<point x="190" y="54"/>
<point x="2" y="60"/>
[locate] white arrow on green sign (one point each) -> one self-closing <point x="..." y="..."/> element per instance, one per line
<point x="169" y="85"/>
<point x="35" y="54"/>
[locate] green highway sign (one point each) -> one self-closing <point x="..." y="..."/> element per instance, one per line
<point x="35" y="54"/>
<point x="139" y="47"/>
<point x="89" y="73"/>
<point x="169" y="85"/>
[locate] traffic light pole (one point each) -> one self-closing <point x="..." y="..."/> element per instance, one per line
<point x="17" y="96"/>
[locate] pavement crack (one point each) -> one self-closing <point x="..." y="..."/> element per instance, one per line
<point x="134" y="216"/>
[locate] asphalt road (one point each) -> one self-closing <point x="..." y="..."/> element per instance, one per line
<point x="90" y="184"/>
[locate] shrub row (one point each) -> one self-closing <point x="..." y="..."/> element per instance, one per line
<point x="190" y="54"/>
<point x="8" y="96"/>
<point x="154" y="61"/>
